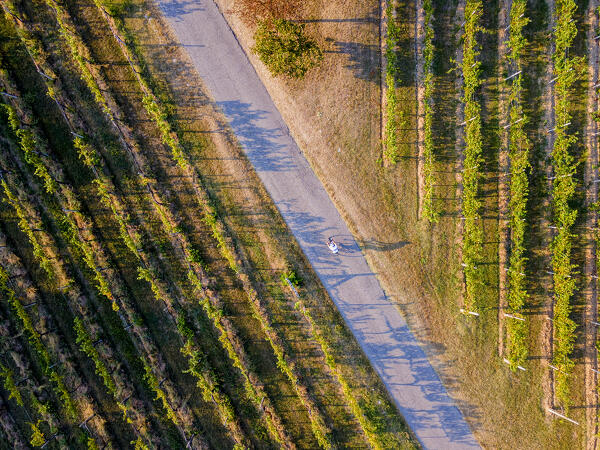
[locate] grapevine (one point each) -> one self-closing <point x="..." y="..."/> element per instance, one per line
<point x="392" y="123"/>
<point x="471" y="204"/>
<point x="429" y="210"/>
<point x="563" y="189"/>
<point x="519" y="146"/>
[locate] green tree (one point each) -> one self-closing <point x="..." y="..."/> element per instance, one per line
<point x="285" y="49"/>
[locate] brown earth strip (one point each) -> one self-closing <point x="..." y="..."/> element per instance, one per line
<point x="590" y="312"/>
<point x="459" y="18"/>
<point x="503" y="170"/>
<point x="544" y="221"/>
<point x="419" y="38"/>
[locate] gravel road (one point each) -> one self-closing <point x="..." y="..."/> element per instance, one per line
<point x="312" y="217"/>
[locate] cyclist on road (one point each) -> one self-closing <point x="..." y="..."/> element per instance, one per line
<point x="332" y="245"/>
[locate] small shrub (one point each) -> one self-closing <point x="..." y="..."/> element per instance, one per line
<point x="292" y="276"/>
<point x="195" y="256"/>
<point x="285" y="49"/>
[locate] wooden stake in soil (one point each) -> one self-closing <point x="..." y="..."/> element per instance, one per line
<point x="562" y="416"/>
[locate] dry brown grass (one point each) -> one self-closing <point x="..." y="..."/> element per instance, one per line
<point x="334" y="115"/>
<point x="252" y="11"/>
<point x="257" y="228"/>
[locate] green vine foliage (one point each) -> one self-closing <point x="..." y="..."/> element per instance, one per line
<point x="206" y="381"/>
<point x="392" y="124"/>
<point x="154" y="385"/>
<point x="91" y="444"/>
<point x="63" y="393"/>
<point x="138" y="444"/>
<point x="77" y="49"/>
<point x="368" y="423"/>
<point x="150" y="277"/>
<point x="204" y="378"/>
<point x="9" y="384"/>
<point x="320" y="429"/>
<point x="38" y="250"/>
<point x="92" y="159"/>
<point x="87" y="346"/>
<point x="566" y="71"/>
<point x="35" y="340"/>
<point x="471" y="204"/>
<point x="254" y="392"/>
<point x="29" y="145"/>
<point x="159" y="115"/>
<point x="37" y="437"/>
<point x="29" y="141"/>
<point x="519" y="146"/>
<point x="210" y="218"/>
<point x="429" y="210"/>
<point x="70" y="231"/>
<point x="26" y="322"/>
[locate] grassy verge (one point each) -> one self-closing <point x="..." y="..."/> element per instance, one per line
<point x="245" y="231"/>
<point x="417" y="262"/>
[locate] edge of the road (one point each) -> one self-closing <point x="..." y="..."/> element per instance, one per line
<point x="298" y="157"/>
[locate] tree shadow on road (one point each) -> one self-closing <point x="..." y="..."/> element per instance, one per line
<point x="381" y="246"/>
<point x="174" y="9"/>
<point x="260" y="142"/>
<point x="397" y="350"/>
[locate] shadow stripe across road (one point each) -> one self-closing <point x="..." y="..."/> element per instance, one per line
<point x="312" y="217"/>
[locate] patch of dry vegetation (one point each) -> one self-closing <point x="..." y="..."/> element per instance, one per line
<point x="334" y="115"/>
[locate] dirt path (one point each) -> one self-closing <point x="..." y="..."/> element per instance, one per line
<point x="382" y="5"/>
<point x="460" y="141"/>
<point x="590" y="313"/>
<point x="420" y="93"/>
<point x="503" y="170"/>
<point x="312" y="217"/>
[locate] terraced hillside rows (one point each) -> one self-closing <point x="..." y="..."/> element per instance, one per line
<point x="145" y="281"/>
